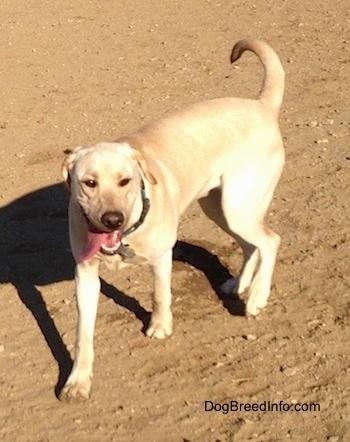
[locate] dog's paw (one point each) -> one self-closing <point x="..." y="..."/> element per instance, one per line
<point x="234" y="286"/>
<point x="75" y="391"/>
<point x="160" y="328"/>
<point x="229" y="287"/>
<point x="255" y="304"/>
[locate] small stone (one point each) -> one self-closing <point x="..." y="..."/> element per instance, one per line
<point x="328" y="122"/>
<point x="314" y="323"/>
<point x="250" y="337"/>
<point x="290" y="371"/>
<point x="2" y="348"/>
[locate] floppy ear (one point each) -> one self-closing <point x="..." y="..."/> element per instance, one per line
<point x="67" y="166"/>
<point x="141" y="161"/>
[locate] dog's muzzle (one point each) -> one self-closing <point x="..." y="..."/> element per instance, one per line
<point x="110" y="242"/>
<point x="101" y="241"/>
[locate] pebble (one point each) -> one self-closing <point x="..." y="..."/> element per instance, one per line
<point x="250" y="337"/>
<point x="290" y="371"/>
<point x="2" y="348"/>
<point x="316" y="324"/>
<point x="333" y="438"/>
<point x="219" y="364"/>
<point x="326" y="122"/>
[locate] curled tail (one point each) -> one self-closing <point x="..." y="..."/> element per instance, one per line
<point x="272" y="91"/>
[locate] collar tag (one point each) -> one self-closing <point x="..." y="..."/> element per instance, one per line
<point x="126" y="252"/>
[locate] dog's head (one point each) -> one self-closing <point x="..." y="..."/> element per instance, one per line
<point x="105" y="180"/>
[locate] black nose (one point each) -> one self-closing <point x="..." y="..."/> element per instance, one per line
<point x="112" y="220"/>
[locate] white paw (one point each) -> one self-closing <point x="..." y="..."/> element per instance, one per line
<point x="255" y="304"/>
<point x="160" y="328"/>
<point x="75" y="391"/>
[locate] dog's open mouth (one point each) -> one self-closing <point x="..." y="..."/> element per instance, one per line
<point x="99" y="241"/>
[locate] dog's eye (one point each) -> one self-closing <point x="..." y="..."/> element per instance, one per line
<point x="90" y="183"/>
<point x="124" y="182"/>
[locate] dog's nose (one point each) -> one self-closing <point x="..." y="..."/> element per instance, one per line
<point x="112" y="220"/>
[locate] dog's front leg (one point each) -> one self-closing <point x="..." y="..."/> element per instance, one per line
<point x="87" y="293"/>
<point x="161" y="324"/>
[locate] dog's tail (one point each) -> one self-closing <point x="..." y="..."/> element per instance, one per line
<point x="272" y="91"/>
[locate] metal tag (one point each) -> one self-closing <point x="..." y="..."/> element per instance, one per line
<point x="126" y="252"/>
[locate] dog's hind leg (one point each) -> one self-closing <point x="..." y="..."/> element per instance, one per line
<point x="266" y="242"/>
<point x="244" y="210"/>
<point x="211" y="206"/>
<point x="240" y="283"/>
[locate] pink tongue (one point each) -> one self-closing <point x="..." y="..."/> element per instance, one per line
<point x="95" y="240"/>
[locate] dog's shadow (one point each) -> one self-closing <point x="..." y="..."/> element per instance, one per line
<point x="34" y="251"/>
<point x="216" y="273"/>
<point x="197" y="257"/>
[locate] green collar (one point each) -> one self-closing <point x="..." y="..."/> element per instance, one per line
<point x="145" y="208"/>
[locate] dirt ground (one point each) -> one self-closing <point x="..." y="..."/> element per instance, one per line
<point x="73" y="72"/>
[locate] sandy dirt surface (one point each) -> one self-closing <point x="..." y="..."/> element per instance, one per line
<point x="73" y="72"/>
